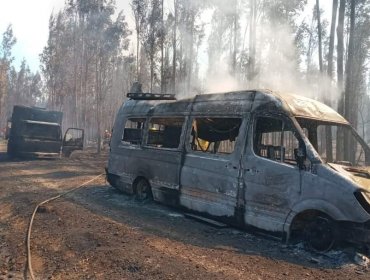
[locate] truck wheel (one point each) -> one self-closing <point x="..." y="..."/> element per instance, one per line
<point x="319" y="234"/>
<point x="10" y="152"/>
<point x="143" y="190"/>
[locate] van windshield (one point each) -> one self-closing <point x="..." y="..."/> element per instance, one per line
<point x="335" y="143"/>
<point x="40" y="131"/>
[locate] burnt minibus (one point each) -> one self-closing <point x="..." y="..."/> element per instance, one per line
<point x="257" y="159"/>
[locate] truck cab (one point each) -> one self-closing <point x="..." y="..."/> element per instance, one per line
<point x="37" y="132"/>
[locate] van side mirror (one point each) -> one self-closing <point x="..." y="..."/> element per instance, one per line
<point x="300" y="157"/>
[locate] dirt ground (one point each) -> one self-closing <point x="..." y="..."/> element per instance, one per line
<point x="99" y="233"/>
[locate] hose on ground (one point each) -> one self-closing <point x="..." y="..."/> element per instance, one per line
<point x="29" y="259"/>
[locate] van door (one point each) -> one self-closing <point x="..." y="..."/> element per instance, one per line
<point x="73" y="140"/>
<point x="271" y="174"/>
<point x="210" y="172"/>
<point x="162" y="156"/>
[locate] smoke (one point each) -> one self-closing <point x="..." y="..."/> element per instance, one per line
<point x="220" y="79"/>
<point x="278" y="67"/>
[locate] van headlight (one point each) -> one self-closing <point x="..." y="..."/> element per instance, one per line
<point x="364" y="199"/>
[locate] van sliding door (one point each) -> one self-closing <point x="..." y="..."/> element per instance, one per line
<point x="161" y="161"/>
<point x="210" y="172"/>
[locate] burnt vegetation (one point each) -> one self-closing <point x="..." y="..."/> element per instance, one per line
<point x="94" y="52"/>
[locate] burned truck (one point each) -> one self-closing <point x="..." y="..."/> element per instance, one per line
<point x="37" y="132"/>
<point x="254" y="159"/>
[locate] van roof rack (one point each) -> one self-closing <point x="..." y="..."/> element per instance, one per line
<point x="150" y="96"/>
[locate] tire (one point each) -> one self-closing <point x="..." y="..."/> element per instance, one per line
<point x="10" y="151"/>
<point x="319" y="234"/>
<point x="143" y="191"/>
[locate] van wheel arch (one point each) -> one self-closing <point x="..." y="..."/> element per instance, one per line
<point x="142" y="189"/>
<point x="315" y="228"/>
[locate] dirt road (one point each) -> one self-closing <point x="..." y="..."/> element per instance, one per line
<point x="99" y="233"/>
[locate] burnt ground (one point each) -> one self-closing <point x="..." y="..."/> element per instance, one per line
<point x="99" y="233"/>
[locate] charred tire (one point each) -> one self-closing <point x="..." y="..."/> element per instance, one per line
<point x="10" y="151"/>
<point x="319" y="234"/>
<point x="143" y="190"/>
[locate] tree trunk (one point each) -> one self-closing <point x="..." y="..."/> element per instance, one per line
<point x="319" y="35"/>
<point x="350" y="96"/>
<point x="174" y="42"/>
<point x="340" y="54"/>
<point x="137" y="54"/>
<point x="309" y="49"/>
<point x="332" y="37"/>
<point x="235" y="35"/>
<point x="191" y="53"/>
<point x="252" y="41"/>
<point x="151" y="69"/>
<point x="328" y="138"/>
<point x="162" y="48"/>
<point x="329" y="145"/>
<point x="98" y="92"/>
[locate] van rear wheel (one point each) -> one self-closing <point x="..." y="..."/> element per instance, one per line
<point x="319" y="234"/>
<point x="143" y="190"/>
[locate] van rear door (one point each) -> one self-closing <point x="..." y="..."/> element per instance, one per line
<point x="73" y="140"/>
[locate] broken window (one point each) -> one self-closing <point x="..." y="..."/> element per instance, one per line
<point x="214" y="135"/>
<point x="73" y="136"/>
<point x="133" y="131"/>
<point x="165" y="132"/>
<point x="275" y="139"/>
<point x="327" y="138"/>
<point x="335" y="143"/>
<point x="39" y="130"/>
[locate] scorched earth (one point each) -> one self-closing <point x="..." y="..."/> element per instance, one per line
<point x="97" y="232"/>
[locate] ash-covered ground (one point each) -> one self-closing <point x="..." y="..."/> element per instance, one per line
<point x="100" y="233"/>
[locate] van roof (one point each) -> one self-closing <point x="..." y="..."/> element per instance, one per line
<point x="239" y="102"/>
<point x="300" y="106"/>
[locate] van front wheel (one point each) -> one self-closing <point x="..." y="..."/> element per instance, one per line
<point x="143" y="190"/>
<point x="319" y="234"/>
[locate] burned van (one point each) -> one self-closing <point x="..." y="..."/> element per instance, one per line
<point x="37" y="132"/>
<point x="263" y="160"/>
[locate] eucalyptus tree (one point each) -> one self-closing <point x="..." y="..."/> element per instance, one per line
<point x="140" y="10"/>
<point x="6" y="59"/>
<point x="356" y="65"/>
<point x="86" y="40"/>
<point x="152" y="37"/>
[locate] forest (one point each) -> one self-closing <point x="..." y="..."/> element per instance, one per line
<point x="188" y="47"/>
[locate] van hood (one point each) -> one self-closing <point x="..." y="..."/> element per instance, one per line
<point x="359" y="175"/>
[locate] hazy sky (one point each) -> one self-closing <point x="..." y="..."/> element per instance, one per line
<point x="30" y="21"/>
<point x="30" y="24"/>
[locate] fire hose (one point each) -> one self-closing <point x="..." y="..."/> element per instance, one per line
<point x="29" y="259"/>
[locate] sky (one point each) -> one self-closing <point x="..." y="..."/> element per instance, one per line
<point x="30" y="20"/>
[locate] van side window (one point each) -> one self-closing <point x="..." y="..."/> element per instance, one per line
<point x="165" y="132"/>
<point x="214" y="135"/>
<point x="133" y="131"/>
<point x="274" y="139"/>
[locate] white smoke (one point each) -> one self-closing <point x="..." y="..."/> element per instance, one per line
<point x="277" y="69"/>
<point x="221" y="80"/>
